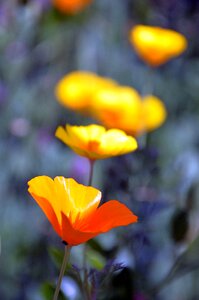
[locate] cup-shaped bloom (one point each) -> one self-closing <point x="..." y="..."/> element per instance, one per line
<point x="71" y="6"/>
<point x="76" y="89"/>
<point x="73" y="209"/>
<point x="95" y="142"/>
<point x="156" y="45"/>
<point x="123" y="108"/>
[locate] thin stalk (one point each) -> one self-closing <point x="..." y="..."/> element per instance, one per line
<point x="85" y="279"/>
<point x="149" y="85"/>
<point x="62" y="271"/>
<point x="90" y="178"/>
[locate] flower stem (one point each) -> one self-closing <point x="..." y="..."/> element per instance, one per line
<point x="91" y="162"/>
<point x="62" y="271"/>
<point x="85" y="275"/>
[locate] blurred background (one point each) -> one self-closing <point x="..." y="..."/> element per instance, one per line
<point x="154" y="259"/>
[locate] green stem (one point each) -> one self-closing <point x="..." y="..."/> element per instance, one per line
<point x="62" y="271"/>
<point x="85" y="280"/>
<point x="149" y="85"/>
<point x="90" y="179"/>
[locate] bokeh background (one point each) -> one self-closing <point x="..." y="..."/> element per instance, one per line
<point x="154" y="259"/>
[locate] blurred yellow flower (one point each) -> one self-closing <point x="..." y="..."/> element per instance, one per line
<point x="123" y="108"/>
<point x="154" y="112"/>
<point x="73" y="209"/>
<point x="71" y="6"/>
<point x="118" y="107"/>
<point x="156" y="45"/>
<point x="95" y="142"/>
<point x="76" y="89"/>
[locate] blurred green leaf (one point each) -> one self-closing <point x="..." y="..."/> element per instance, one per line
<point x="47" y="291"/>
<point x="95" y="259"/>
<point x="56" y="256"/>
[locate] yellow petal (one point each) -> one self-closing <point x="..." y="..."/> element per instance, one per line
<point x="116" y="142"/>
<point x="84" y="200"/>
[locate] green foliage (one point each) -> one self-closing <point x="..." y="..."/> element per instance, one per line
<point x="47" y="292"/>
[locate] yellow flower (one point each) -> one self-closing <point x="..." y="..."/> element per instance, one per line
<point x="71" y="6"/>
<point x="76" y="89"/>
<point x="73" y="209"/>
<point x="95" y="142"/>
<point x="123" y="108"/>
<point x="118" y="107"/>
<point x="156" y="45"/>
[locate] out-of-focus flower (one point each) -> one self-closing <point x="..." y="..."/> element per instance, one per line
<point x="154" y="112"/>
<point x="95" y="142"/>
<point x="76" y="89"/>
<point x="123" y="108"/>
<point x="156" y="45"/>
<point x="118" y="107"/>
<point x="73" y="210"/>
<point x="71" y="6"/>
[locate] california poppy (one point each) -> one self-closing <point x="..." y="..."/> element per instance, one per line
<point x="123" y="108"/>
<point x="156" y="45"/>
<point x="76" y="89"/>
<point x="73" y="209"/>
<point x="95" y="142"/>
<point x="71" y="6"/>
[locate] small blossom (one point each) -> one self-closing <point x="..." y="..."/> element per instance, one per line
<point x="73" y="209"/>
<point x="95" y="142"/>
<point x="156" y="45"/>
<point x="71" y="6"/>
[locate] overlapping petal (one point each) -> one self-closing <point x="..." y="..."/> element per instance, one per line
<point x="156" y="45"/>
<point x="73" y="210"/>
<point x="95" y="142"/>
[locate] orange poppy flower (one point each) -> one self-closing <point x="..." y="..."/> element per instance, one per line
<point x="71" y="6"/>
<point x="76" y="89"/>
<point x="95" y="142"/>
<point x="73" y="209"/>
<point x="123" y="108"/>
<point x="156" y="45"/>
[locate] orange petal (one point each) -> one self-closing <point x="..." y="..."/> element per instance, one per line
<point x="109" y="215"/>
<point x="48" y="211"/>
<point x="71" y="236"/>
<point x="44" y="187"/>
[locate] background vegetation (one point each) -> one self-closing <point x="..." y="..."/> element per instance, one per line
<point x="39" y="45"/>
